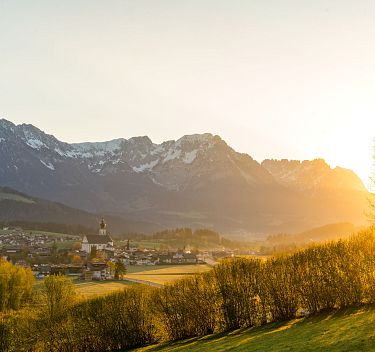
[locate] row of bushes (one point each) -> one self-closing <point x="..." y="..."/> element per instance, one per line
<point x="121" y="320"/>
<point x="237" y="293"/>
<point x="249" y="292"/>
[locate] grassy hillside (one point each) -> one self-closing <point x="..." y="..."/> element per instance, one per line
<point x="15" y="197"/>
<point x="346" y="330"/>
<point x="35" y="213"/>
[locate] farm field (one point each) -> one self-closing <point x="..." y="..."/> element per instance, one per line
<point x="93" y="288"/>
<point x="346" y="330"/>
<point x="98" y="288"/>
<point x="161" y="274"/>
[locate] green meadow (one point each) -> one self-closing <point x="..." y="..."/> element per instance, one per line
<point x="350" y="329"/>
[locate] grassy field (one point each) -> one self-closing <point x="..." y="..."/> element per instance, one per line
<point x="49" y="234"/>
<point x="158" y="274"/>
<point x="98" y="288"/>
<point x="161" y="274"/>
<point x="346" y="330"/>
<point x="93" y="288"/>
<point x="15" y="197"/>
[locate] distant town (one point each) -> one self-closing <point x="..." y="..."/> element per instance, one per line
<point x="91" y="257"/>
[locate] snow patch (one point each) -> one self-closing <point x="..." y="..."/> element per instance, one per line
<point x="190" y="156"/>
<point x="89" y="150"/>
<point x="35" y="143"/>
<point x="172" y="154"/>
<point x="157" y="149"/>
<point x="2" y="140"/>
<point x="59" y="151"/>
<point x="48" y="165"/>
<point x="156" y="182"/>
<point x="148" y="166"/>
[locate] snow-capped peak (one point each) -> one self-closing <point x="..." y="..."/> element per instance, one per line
<point x="96" y="148"/>
<point x="6" y="125"/>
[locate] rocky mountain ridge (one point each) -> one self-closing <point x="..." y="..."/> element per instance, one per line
<point x="197" y="180"/>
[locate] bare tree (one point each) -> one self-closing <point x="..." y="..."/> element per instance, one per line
<point x="372" y="190"/>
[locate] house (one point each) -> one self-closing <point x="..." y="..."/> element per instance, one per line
<point x="190" y="258"/>
<point x="102" y="241"/>
<point x="165" y="259"/>
<point x="184" y="258"/>
<point x="98" y="271"/>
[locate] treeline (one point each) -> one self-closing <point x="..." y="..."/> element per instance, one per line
<point x="188" y="236"/>
<point x="237" y="293"/>
<point x="177" y="233"/>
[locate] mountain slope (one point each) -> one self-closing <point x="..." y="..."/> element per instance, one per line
<point x="16" y="207"/>
<point x="328" y="232"/>
<point x="313" y="176"/>
<point x="196" y="181"/>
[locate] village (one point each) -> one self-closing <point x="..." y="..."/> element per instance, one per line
<point x="88" y="257"/>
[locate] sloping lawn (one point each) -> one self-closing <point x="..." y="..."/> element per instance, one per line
<point x="346" y="330"/>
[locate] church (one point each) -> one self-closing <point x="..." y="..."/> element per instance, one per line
<point x="102" y="241"/>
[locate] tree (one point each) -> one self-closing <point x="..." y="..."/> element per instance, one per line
<point x="112" y="267"/>
<point x="120" y="269"/>
<point x="372" y="195"/>
<point x="93" y="252"/>
<point x="76" y="246"/>
<point x="54" y="324"/>
<point x="76" y="260"/>
<point x="58" y="294"/>
<point x="16" y="285"/>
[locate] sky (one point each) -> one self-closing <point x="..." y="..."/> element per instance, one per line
<point x="274" y="78"/>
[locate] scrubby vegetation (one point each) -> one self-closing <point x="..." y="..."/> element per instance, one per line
<point x="237" y="293"/>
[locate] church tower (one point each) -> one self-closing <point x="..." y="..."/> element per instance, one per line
<point x="103" y="228"/>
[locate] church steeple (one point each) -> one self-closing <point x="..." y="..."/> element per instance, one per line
<point x="103" y="228"/>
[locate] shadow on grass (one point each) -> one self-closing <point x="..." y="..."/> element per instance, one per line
<point x="335" y="330"/>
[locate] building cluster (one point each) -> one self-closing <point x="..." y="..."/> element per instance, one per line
<point x="17" y="238"/>
<point x="95" y="259"/>
<point x="18" y="245"/>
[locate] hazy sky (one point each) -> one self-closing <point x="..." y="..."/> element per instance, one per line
<point x="275" y="79"/>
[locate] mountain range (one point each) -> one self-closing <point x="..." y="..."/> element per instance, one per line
<point x="197" y="181"/>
